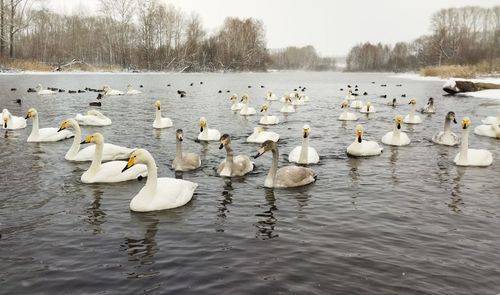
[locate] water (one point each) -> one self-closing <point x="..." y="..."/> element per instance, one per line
<point x="405" y="222"/>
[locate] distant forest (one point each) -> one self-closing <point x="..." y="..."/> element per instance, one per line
<point x="459" y="36"/>
<point x="143" y="35"/>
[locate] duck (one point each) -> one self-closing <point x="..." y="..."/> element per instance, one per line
<point x="246" y="110"/>
<point x="233" y="166"/>
<point x="260" y="136"/>
<point x="184" y="161"/>
<point x="40" y="91"/>
<point x="396" y="137"/>
<point x="368" y="108"/>
<point x="44" y="134"/>
<point x="110" y="151"/>
<point x="471" y="157"/>
<point x="132" y="91"/>
<point x="271" y="96"/>
<point x="111" y="92"/>
<point x="393" y="103"/>
<point x="411" y="118"/>
<point x="158" y="193"/>
<point x="93" y="118"/>
<point x="207" y="134"/>
<point x="446" y="137"/>
<point x="429" y="107"/>
<point x="356" y="104"/>
<point x="346" y="115"/>
<point x="492" y="130"/>
<point x="284" y="177"/>
<point x="99" y="172"/>
<point x="236" y="106"/>
<point x="287" y="108"/>
<point x="363" y="148"/>
<point x="160" y="122"/>
<point x="267" y="119"/>
<point x="304" y="154"/>
<point x="12" y="122"/>
<point x="490" y="120"/>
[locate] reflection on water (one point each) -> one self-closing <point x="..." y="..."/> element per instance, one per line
<point x="225" y="200"/>
<point x="266" y="222"/>
<point x="95" y="215"/>
<point x="456" y="201"/>
<point x="157" y="133"/>
<point x="353" y="164"/>
<point x="393" y="162"/>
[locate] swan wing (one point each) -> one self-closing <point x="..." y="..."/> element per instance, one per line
<point x="292" y="176"/>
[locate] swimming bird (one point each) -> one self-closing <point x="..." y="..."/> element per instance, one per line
<point x="109" y="171"/>
<point x="429" y="107"/>
<point x="12" y="122"/>
<point x="298" y="100"/>
<point x="42" y="91"/>
<point x="267" y="119"/>
<point x="111" y="92"/>
<point x="346" y="115"/>
<point x="158" y="193"/>
<point x="393" y="103"/>
<point x="184" y="161"/>
<point x="271" y="96"/>
<point x="93" y="118"/>
<point x="411" y="118"/>
<point x="491" y="119"/>
<point x="44" y="134"/>
<point x="236" y="106"/>
<point x="132" y="91"/>
<point x="233" y="166"/>
<point x="363" y="148"/>
<point x="95" y="104"/>
<point x="287" y="108"/>
<point x="207" y="134"/>
<point x="396" y="137"/>
<point x="356" y="104"/>
<point x="471" y="157"/>
<point x="288" y="176"/>
<point x="259" y="135"/>
<point x="446" y="137"/>
<point x="349" y="95"/>
<point x="246" y="110"/>
<point x="304" y="154"/>
<point x="368" y="108"/>
<point x="160" y="122"/>
<point x="492" y="130"/>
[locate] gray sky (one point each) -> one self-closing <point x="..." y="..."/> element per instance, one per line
<point x="331" y="26"/>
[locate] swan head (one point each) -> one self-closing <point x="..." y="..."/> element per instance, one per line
<point x="413" y="101"/>
<point x="398" y="120"/>
<point x="31" y="113"/>
<point x="6" y="117"/>
<point x="269" y="93"/>
<point x="96" y="138"/>
<point x="68" y="123"/>
<point x="264" y="107"/>
<point x="244" y="98"/>
<point x="158" y="105"/>
<point x="368" y="105"/>
<point x="431" y="101"/>
<point x="307" y="130"/>
<point x="179" y="135"/>
<point x="344" y="104"/>
<point x="224" y="140"/>
<point x="138" y="156"/>
<point x="451" y="116"/>
<point x="268" y="145"/>
<point x="203" y="123"/>
<point x="465" y="123"/>
<point x="359" y="133"/>
<point x="288" y="98"/>
<point x="234" y="97"/>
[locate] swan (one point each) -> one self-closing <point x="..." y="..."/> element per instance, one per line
<point x="411" y="118"/>
<point x="12" y="122"/>
<point x="298" y="101"/>
<point x="304" y="97"/>
<point x="304" y="154"/>
<point x="184" y="161"/>
<point x="393" y="103"/>
<point x="44" y="134"/>
<point x="492" y="130"/>
<point x="160" y="122"/>
<point x="110" y="151"/>
<point x="396" y="137"/>
<point x="271" y="96"/>
<point x="471" y="157"/>
<point x="236" y="106"/>
<point x="158" y="193"/>
<point x="109" y="171"/>
<point x="349" y="96"/>
<point x="39" y="89"/>
<point x="131" y="91"/>
<point x="288" y="176"/>
<point x="429" y="107"/>
<point x="356" y="104"/>
<point x="111" y="92"/>
<point x="363" y="148"/>
<point x="246" y="110"/>
<point x="447" y="137"/>
<point x="368" y="108"/>
<point x="490" y="120"/>
<point x="267" y="119"/>
<point x="286" y="108"/>
<point x="290" y="95"/>
<point x="233" y="166"/>
<point x="259" y="135"/>
<point x="346" y="115"/>
<point x="93" y="118"/>
<point x="207" y="134"/>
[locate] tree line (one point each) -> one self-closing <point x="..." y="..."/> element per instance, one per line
<point x="459" y="36"/>
<point x="143" y="34"/>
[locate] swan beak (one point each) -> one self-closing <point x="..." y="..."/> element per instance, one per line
<point x="28" y="115"/>
<point x="261" y="110"/>
<point x="259" y="153"/>
<point x="87" y="140"/>
<point x="201" y="128"/>
<point x="4" y="123"/>
<point x="399" y="125"/>
<point x="130" y="163"/>
<point x="158" y="107"/>
<point x="181" y="138"/>
<point x="62" y="127"/>
<point x="306" y="133"/>
<point x="241" y="99"/>
<point x="221" y="146"/>
<point x="454" y="120"/>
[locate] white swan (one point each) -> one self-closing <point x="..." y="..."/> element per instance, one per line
<point x="259" y="135"/>
<point x="110" y="151"/>
<point x="233" y="166"/>
<point x="287" y="108"/>
<point x="271" y="96"/>
<point x="236" y="106"/>
<point x="304" y="97"/>
<point x="44" y="134"/>
<point x="158" y="193"/>
<point x="93" y="118"/>
<point x="288" y="176"/>
<point x="356" y="104"/>
<point x="368" y="108"/>
<point x="290" y="95"/>
<point x="363" y="148"/>
<point x="393" y="103"/>
<point x="111" y="92"/>
<point x="246" y="110"/>
<point x="396" y="137"/>
<point x="304" y="154"/>
<point x="471" y="157"/>
<point x="349" y="96"/>
<point x="207" y="134"/>
<point x="429" y="107"/>
<point x="447" y="137"/>
<point x="299" y="100"/>
<point x="160" y="122"/>
<point x="411" y="118"/>
<point x="132" y="91"/>
<point x="346" y="115"/>
<point x="184" y="161"/>
<point x="12" y="122"/>
<point x="39" y="89"/>
<point x="109" y="171"/>
<point x="490" y="120"/>
<point x="267" y="119"/>
<point x="492" y="130"/>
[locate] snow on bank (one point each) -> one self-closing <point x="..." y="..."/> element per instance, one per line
<point x="490" y="94"/>
<point x="417" y="77"/>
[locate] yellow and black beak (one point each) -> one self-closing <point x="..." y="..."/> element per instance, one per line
<point x="306" y="133"/>
<point x="221" y="146"/>
<point x="87" y="140"/>
<point x="201" y="127"/>
<point x="158" y="107"/>
<point x="130" y="163"/>
<point x="5" y="123"/>
<point x="28" y="115"/>
<point x="454" y="120"/>
<point x="62" y="127"/>
<point x="360" y="136"/>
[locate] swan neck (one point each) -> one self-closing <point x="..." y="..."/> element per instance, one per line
<point x="412" y="112"/>
<point x="178" y="149"/>
<point x="229" y="154"/>
<point x="152" y="179"/>
<point x="96" y="162"/>
<point x="158" y="116"/>
<point x="274" y="167"/>
<point x="304" y="152"/>
<point x="75" y="146"/>
<point x="205" y="131"/>
<point x="464" y="146"/>
<point x="447" y="126"/>
<point x="34" y="130"/>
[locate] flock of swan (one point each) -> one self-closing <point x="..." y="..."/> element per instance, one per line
<point x="113" y="163"/>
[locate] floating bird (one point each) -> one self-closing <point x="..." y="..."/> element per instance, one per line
<point x="411" y="118"/>
<point x="471" y="157"/>
<point x="429" y="107"/>
<point x="363" y="148"/>
<point x="44" y="134"/>
<point x="346" y="115"/>
<point x="184" y="161"/>
<point x="396" y="137"/>
<point x="207" y="134"/>
<point x="304" y="154"/>
<point x="233" y="166"/>
<point x="160" y="122"/>
<point x="259" y="135"/>
<point x="12" y="122"/>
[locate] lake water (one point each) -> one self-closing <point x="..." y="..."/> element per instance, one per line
<point x="405" y="222"/>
